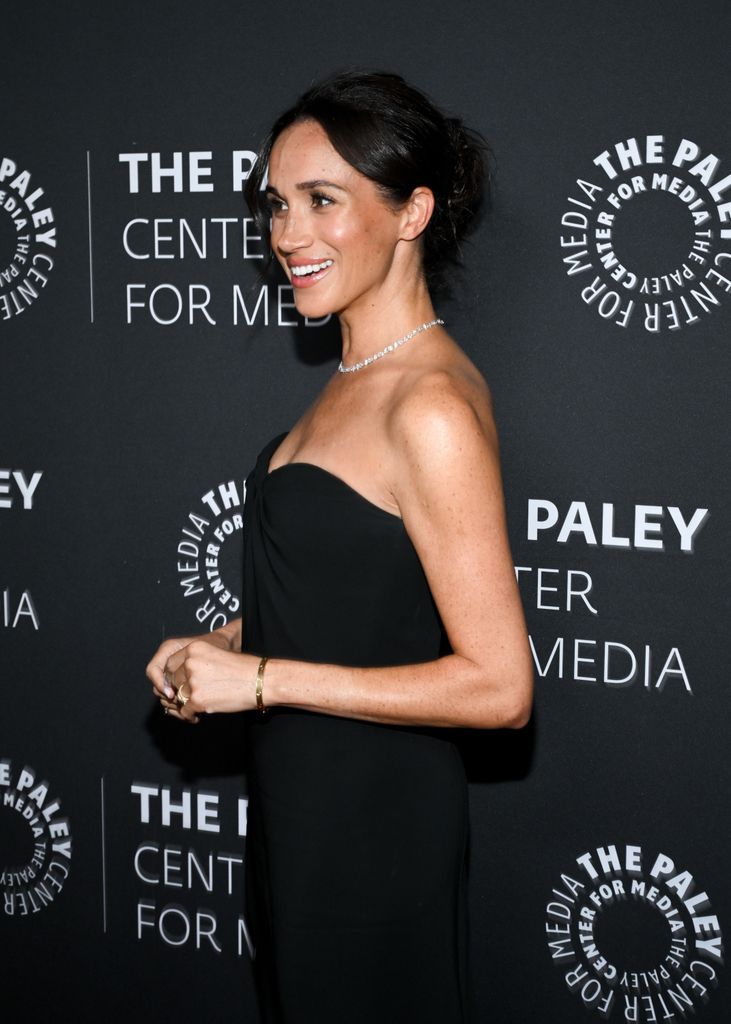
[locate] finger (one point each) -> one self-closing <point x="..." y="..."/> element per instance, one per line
<point x="155" y="673"/>
<point x="156" y="668"/>
<point x="173" y="712"/>
<point x="169" y="685"/>
<point x="175" y="660"/>
<point x="172" y="684"/>
<point x="182" y="710"/>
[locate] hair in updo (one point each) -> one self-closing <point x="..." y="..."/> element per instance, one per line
<point x="394" y="135"/>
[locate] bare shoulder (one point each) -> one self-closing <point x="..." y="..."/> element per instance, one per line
<point x="442" y="414"/>
<point x="446" y="481"/>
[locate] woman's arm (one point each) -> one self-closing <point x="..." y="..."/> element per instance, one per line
<point x="446" y="480"/>
<point x="447" y="483"/>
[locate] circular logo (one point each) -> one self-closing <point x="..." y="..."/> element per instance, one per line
<point x="634" y="933"/>
<point x="209" y="559"/>
<point x="27" y="239"/>
<point x="36" y="847"/>
<point x="648" y="233"/>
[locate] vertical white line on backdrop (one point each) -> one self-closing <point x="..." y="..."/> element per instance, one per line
<point x="104" y="863"/>
<point x="91" y="262"/>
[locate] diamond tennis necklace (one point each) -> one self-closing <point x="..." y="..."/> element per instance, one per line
<point x="389" y="348"/>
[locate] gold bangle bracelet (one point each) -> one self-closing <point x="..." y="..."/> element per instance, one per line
<point x="260" y="685"/>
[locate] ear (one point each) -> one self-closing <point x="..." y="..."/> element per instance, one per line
<point x="417" y="212"/>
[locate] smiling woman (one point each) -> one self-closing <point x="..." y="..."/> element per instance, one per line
<point x="380" y="604"/>
<point x="335" y="230"/>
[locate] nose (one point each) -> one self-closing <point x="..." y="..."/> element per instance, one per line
<point x="291" y="232"/>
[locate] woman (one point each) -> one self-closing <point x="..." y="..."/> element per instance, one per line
<point x="380" y="603"/>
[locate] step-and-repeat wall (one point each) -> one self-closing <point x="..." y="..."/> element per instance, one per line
<point x="144" y="363"/>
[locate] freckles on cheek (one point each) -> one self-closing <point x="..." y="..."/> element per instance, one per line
<point x="340" y="234"/>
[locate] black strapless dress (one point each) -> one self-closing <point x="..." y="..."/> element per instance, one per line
<point x="357" y="831"/>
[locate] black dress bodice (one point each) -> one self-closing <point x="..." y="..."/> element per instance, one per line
<point x="328" y="575"/>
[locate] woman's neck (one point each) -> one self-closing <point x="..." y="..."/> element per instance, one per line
<point x="376" y="322"/>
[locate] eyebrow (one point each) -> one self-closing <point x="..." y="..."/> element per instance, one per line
<point x="305" y="186"/>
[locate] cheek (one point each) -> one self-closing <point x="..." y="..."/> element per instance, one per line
<point x="354" y="228"/>
<point x="363" y="242"/>
<point x="340" y="233"/>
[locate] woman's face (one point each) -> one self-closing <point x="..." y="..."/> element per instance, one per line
<point x="332" y="231"/>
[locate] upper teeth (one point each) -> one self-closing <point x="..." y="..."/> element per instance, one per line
<point x="311" y="268"/>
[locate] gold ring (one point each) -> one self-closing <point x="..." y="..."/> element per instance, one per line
<point x="180" y="697"/>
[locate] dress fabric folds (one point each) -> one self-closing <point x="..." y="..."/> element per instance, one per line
<point x="357" y="831"/>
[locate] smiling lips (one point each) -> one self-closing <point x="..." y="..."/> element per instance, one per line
<point x="307" y="274"/>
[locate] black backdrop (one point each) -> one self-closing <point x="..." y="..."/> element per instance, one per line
<point x="595" y="300"/>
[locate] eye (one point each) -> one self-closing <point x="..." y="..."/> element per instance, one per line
<point x="319" y="199"/>
<point x="275" y="204"/>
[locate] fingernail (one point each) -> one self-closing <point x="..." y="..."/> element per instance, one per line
<point x="169" y="692"/>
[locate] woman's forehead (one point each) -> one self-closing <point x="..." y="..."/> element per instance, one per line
<point x="303" y="152"/>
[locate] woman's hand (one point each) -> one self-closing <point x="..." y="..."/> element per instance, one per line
<point x="202" y="678"/>
<point x="196" y="661"/>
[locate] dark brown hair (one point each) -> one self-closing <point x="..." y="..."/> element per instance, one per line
<point x="394" y="135"/>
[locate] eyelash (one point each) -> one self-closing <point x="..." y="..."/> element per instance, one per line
<point x="319" y="201"/>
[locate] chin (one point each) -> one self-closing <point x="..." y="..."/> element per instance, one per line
<point x="309" y="306"/>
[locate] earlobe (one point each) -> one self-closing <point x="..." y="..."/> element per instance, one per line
<point x="418" y="211"/>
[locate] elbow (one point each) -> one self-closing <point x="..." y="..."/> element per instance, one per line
<point x="519" y="704"/>
<point x="503" y="699"/>
<point x="519" y="716"/>
<point x="508" y="713"/>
